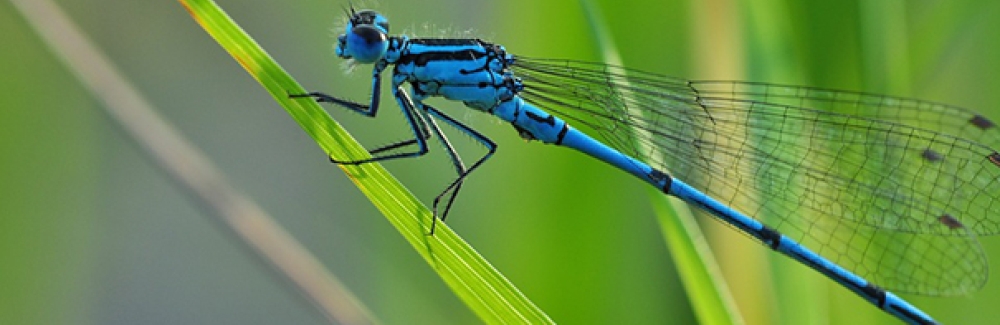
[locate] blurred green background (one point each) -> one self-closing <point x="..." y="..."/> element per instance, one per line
<point x="92" y="233"/>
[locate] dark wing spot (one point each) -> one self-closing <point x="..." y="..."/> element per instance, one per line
<point x="981" y="122"/>
<point x="950" y="222"/>
<point x="994" y="158"/>
<point x="931" y="155"/>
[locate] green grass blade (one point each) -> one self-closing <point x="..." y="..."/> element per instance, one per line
<point x="702" y="280"/>
<point x="491" y="296"/>
<point x="773" y="54"/>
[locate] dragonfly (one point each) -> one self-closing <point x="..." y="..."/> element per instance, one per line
<point x="875" y="192"/>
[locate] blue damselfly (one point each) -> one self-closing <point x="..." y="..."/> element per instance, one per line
<point x="863" y="188"/>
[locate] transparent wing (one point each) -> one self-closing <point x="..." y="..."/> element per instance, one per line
<point x="893" y="189"/>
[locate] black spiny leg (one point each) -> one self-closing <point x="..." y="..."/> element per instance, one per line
<point x="367" y="110"/>
<point x="415" y="120"/>
<point x="459" y="166"/>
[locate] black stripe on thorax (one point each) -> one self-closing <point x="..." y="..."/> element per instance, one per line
<point x="450" y="50"/>
<point x="446" y="41"/>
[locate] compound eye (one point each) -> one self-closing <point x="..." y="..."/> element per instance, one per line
<point x="366" y="43"/>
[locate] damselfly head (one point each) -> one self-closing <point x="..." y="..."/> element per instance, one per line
<point x="364" y="38"/>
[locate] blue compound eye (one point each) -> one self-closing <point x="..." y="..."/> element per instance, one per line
<point x="366" y="43"/>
